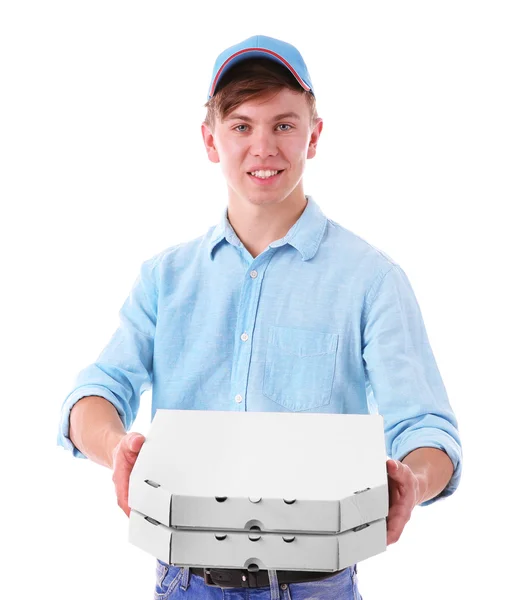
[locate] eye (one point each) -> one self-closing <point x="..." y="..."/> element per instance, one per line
<point x="236" y="128"/>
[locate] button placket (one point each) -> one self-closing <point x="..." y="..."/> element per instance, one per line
<point x="247" y="313"/>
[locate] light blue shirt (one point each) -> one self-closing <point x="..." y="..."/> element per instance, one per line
<point x="321" y="321"/>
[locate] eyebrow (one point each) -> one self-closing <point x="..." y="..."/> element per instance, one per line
<point x="286" y="115"/>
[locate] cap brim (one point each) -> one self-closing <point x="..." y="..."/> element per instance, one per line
<point x="247" y="53"/>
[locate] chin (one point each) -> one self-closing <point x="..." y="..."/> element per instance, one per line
<point x="261" y="199"/>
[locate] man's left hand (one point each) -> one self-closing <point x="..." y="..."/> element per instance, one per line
<point x="404" y="493"/>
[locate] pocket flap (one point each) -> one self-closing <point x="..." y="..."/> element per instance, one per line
<point x="302" y="342"/>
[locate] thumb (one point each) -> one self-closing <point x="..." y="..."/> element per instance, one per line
<point x="135" y="442"/>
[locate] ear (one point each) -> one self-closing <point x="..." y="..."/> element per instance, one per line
<point x="209" y="143"/>
<point x="314" y="138"/>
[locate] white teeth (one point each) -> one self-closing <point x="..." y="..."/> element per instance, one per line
<point x="264" y="174"/>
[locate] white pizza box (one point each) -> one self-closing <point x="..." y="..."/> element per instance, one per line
<point x="270" y="471"/>
<point x="257" y="550"/>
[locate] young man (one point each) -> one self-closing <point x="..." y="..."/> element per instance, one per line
<point x="277" y="308"/>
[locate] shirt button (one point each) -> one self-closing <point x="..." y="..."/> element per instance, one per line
<point x="283" y="586"/>
<point x="238" y="398"/>
<point x="244" y="337"/>
<point x="253" y="274"/>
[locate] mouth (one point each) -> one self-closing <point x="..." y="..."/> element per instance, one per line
<point x="265" y="180"/>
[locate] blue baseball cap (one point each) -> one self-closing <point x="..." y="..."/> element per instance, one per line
<point x="261" y="46"/>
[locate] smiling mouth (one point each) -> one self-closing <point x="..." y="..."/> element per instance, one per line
<point x="266" y="178"/>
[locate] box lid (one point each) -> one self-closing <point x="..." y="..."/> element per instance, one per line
<point x="317" y="472"/>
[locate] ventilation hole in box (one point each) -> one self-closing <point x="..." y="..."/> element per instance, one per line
<point x="220" y="536"/>
<point x="254" y="524"/>
<point x="288" y="501"/>
<point x="152" y="483"/>
<point x="221" y="498"/>
<point x="288" y="538"/>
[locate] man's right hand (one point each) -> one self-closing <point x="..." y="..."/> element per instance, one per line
<point x="124" y="456"/>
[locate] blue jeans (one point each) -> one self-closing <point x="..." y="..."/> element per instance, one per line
<point x="177" y="583"/>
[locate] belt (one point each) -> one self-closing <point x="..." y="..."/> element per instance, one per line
<point x="226" y="578"/>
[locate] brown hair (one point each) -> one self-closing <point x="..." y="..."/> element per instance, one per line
<point x="250" y="79"/>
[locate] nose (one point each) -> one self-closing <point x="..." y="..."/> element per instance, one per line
<point x="263" y="143"/>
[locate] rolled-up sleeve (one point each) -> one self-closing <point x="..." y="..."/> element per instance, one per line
<point x="123" y="370"/>
<point x="403" y="378"/>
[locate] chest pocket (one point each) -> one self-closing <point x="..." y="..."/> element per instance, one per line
<point x="299" y="368"/>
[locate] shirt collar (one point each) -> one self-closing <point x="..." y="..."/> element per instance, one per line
<point x="305" y="235"/>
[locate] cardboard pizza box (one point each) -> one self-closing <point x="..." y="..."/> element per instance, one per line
<point x="257" y="550"/>
<point x="268" y="471"/>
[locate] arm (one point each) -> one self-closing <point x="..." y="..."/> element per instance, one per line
<point x="433" y="470"/>
<point x="420" y="477"/>
<point x="96" y="429"/>
<point x="404" y="381"/>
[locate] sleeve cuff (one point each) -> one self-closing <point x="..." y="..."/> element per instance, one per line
<point x="434" y="439"/>
<point x="63" y="433"/>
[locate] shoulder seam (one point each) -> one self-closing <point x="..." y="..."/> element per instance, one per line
<point x="381" y="278"/>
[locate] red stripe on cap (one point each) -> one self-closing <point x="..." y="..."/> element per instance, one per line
<point x="296" y="75"/>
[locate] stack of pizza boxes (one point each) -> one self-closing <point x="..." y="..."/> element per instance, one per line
<point x="260" y="490"/>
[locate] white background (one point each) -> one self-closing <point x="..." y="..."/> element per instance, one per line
<point x="102" y="165"/>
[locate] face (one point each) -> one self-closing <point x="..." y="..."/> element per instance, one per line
<point x="263" y="134"/>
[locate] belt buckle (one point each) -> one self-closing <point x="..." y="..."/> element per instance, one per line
<point x="207" y="578"/>
<point x="248" y="579"/>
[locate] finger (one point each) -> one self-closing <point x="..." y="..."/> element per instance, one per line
<point x="398" y="517"/>
<point x="394" y="532"/>
<point x="393" y="466"/>
<point x="400" y="510"/>
<point x="124" y="501"/>
<point x="121" y="473"/>
<point x="396" y="521"/>
<point x="135" y="442"/>
<point x="122" y="490"/>
<point x="397" y="471"/>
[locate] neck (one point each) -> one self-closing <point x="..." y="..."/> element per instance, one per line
<point x="257" y="226"/>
